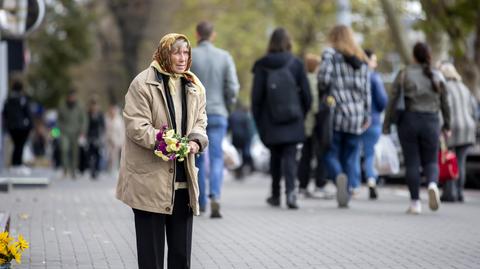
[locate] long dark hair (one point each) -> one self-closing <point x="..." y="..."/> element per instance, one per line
<point x="421" y="52"/>
<point x="279" y="41"/>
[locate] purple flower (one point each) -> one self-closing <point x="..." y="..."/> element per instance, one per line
<point x="160" y="135"/>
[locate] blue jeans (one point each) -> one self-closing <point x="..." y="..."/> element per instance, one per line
<point x="216" y="131"/>
<point x="343" y="156"/>
<point x="369" y="140"/>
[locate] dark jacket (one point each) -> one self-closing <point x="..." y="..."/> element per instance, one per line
<point x="16" y="113"/>
<point x="379" y="97"/>
<point x="273" y="133"/>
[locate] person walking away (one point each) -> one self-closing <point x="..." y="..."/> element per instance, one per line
<point x="372" y="134"/>
<point x="72" y="122"/>
<point x="115" y="136"/>
<point x="95" y="131"/>
<point x="163" y="194"/>
<point x="18" y="121"/>
<point x="344" y="75"/>
<point x="241" y="123"/>
<point x="280" y="100"/>
<point x="419" y="125"/>
<point x="216" y="69"/>
<point x="463" y="106"/>
<point x="311" y="149"/>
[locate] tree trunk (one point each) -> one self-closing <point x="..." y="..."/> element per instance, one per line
<point x="398" y="33"/>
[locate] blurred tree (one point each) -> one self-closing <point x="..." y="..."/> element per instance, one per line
<point x="131" y="17"/>
<point x="63" y="41"/>
<point x="460" y="21"/>
<point x="396" y="29"/>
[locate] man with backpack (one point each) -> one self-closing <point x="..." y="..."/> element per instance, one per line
<point x="216" y="70"/>
<point x="280" y="100"/>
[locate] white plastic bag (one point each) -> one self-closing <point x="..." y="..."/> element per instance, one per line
<point x="231" y="157"/>
<point x="386" y="156"/>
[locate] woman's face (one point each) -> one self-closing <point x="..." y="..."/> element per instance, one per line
<point x="179" y="59"/>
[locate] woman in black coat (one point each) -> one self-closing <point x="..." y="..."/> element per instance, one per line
<point x="280" y="100"/>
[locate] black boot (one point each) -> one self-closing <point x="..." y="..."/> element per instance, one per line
<point x="292" y="200"/>
<point x="273" y="201"/>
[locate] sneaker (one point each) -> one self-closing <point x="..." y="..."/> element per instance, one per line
<point x="342" y="190"/>
<point x="414" y="210"/>
<point x="215" y="210"/>
<point x="292" y="200"/>
<point x="273" y="201"/>
<point x="433" y="196"/>
<point x="322" y="193"/>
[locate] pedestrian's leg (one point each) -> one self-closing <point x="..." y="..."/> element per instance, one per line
<point x="179" y="232"/>
<point x="332" y="155"/>
<point x="65" y="153"/>
<point x="216" y="130"/>
<point x="276" y="173"/>
<point x="289" y="170"/>
<point x="75" y="155"/>
<point x="17" y="149"/>
<point x="304" y="166"/>
<point x="370" y="139"/>
<point x="350" y="159"/>
<point x="320" y="171"/>
<point x="461" y="159"/>
<point x="202" y="198"/>
<point x="150" y="235"/>
<point x="411" y="157"/>
<point x="429" y="145"/>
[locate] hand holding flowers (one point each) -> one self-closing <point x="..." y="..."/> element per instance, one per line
<point x="171" y="146"/>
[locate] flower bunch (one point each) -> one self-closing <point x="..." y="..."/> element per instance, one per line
<point x="170" y="145"/>
<point x="11" y="249"/>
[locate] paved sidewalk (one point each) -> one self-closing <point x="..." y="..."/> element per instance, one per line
<point x="79" y="224"/>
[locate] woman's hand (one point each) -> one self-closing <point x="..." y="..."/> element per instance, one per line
<point x="194" y="147"/>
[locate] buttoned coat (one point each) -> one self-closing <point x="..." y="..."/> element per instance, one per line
<point x="146" y="182"/>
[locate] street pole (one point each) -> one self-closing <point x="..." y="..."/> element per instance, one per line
<point x="344" y="12"/>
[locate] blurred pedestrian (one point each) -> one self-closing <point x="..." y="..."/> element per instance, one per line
<point x="18" y="122"/>
<point x="280" y="100"/>
<point x="463" y="106"/>
<point x="423" y="89"/>
<point x="72" y="122"/>
<point x="216" y="69"/>
<point x="163" y="194"/>
<point x="311" y="148"/>
<point x="343" y="74"/>
<point x="95" y="132"/>
<point x="242" y="127"/>
<point x="115" y="136"/>
<point x="372" y="134"/>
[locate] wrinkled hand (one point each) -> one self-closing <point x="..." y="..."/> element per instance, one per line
<point x="194" y="148"/>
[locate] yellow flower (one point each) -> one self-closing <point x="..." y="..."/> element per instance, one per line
<point x="4" y="238"/>
<point x="169" y="134"/>
<point x="2" y="261"/>
<point x="14" y="252"/>
<point x="3" y="251"/>
<point x="171" y="140"/>
<point x="161" y="155"/>
<point x="173" y="147"/>
<point x="22" y="243"/>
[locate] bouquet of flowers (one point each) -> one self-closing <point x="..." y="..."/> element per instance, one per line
<point x="11" y="249"/>
<point x="171" y="146"/>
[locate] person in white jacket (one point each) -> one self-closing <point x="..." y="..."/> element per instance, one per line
<point x="115" y="135"/>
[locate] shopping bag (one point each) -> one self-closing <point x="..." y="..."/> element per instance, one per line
<point x="447" y="163"/>
<point x="386" y="156"/>
<point x="231" y="157"/>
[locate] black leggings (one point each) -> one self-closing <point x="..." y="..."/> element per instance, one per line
<point x="19" y="138"/>
<point x="419" y="134"/>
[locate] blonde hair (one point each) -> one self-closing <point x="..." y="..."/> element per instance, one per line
<point x="450" y="72"/>
<point x="342" y="39"/>
<point x="311" y="62"/>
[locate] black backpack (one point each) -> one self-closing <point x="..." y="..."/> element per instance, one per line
<point x="282" y="95"/>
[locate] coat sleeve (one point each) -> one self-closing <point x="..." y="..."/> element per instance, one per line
<point x="137" y="116"/>
<point x="257" y="94"/>
<point x="231" y="80"/>
<point x="379" y="94"/>
<point x="445" y="106"/>
<point x="394" y="95"/>
<point x="199" y="130"/>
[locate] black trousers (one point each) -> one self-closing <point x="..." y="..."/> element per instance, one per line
<point x="151" y="228"/>
<point x="283" y="162"/>
<point x="419" y="135"/>
<point x="93" y="158"/>
<point x="19" y="138"/>
<point x="311" y="150"/>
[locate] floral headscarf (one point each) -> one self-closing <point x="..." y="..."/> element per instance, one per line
<point x="162" y="60"/>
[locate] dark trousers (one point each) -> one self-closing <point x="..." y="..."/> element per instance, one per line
<point x="93" y="159"/>
<point x="310" y="150"/>
<point x="419" y="134"/>
<point x="151" y="228"/>
<point x="283" y="162"/>
<point x="19" y="138"/>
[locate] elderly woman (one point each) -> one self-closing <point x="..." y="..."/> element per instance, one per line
<point x="463" y="107"/>
<point x="163" y="194"/>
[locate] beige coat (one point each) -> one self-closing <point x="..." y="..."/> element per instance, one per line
<point x="146" y="182"/>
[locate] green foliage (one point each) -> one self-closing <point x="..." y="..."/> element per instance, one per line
<point x="63" y="41"/>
